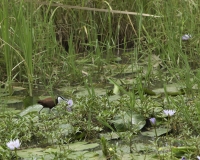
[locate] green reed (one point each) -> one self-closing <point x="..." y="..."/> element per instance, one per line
<point x="6" y="41"/>
<point x="23" y="38"/>
<point x="96" y="35"/>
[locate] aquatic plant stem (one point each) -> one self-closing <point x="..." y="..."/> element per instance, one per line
<point x="155" y="132"/>
<point x="16" y="153"/>
<point x="168" y="125"/>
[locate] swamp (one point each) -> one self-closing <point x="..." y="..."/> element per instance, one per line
<point x="126" y="72"/>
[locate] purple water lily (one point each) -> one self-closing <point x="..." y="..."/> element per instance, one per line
<point x="183" y="158"/>
<point x="70" y="104"/>
<point x="153" y="121"/>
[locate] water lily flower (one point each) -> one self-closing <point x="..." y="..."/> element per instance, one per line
<point x="186" y="37"/>
<point x="70" y="102"/>
<point x="13" y="144"/>
<point x="153" y="121"/>
<point x="169" y="112"/>
<point x="183" y="158"/>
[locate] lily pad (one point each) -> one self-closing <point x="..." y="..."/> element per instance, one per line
<point x="114" y="98"/>
<point x="13" y="101"/>
<point x="110" y="136"/>
<point x="138" y="157"/>
<point x="80" y="146"/>
<point x="151" y="133"/>
<point x="124" y="120"/>
<point x="34" y="108"/>
<point x="77" y="149"/>
<point x="84" y="155"/>
<point x="171" y="89"/>
<point x="82" y="91"/>
<point x="25" y="153"/>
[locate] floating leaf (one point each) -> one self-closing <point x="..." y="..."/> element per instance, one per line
<point x="123" y="121"/>
<point x="110" y="136"/>
<point x="114" y="98"/>
<point x="84" y="155"/>
<point x="171" y="89"/>
<point x="80" y="146"/>
<point x="82" y="91"/>
<point x="34" y="108"/>
<point x="151" y="133"/>
<point x="25" y="153"/>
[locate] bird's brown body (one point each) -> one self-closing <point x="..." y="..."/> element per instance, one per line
<point x="48" y="103"/>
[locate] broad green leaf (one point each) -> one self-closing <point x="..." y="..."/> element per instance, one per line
<point x="34" y="108"/>
<point x="124" y="120"/>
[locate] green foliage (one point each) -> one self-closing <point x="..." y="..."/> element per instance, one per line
<point x="51" y="44"/>
<point x="8" y="55"/>
<point x="41" y="36"/>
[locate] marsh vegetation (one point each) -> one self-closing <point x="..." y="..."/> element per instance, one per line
<point x="130" y="67"/>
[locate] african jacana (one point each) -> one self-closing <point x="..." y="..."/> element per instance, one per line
<point x="50" y="102"/>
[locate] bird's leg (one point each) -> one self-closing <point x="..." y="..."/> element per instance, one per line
<point x="40" y="110"/>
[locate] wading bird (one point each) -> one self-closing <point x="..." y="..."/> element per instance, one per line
<point x="50" y="102"/>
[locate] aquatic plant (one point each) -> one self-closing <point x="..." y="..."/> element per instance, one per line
<point x="13" y="144"/>
<point x="153" y="121"/>
<point x="169" y="112"/>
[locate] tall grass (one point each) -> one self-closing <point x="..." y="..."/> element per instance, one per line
<point x="51" y="44"/>
<point x="8" y="55"/>
<point x="23" y="37"/>
<point x="39" y="30"/>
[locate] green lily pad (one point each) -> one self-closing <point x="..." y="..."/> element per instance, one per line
<point x="138" y="157"/>
<point x="77" y="149"/>
<point x="84" y="155"/>
<point x="25" y="153"/>
<point x="114" y="98"/>
<point x="12" y="101"/>
<point x="124" y="120"/>
<point x="34" y="108"/>
<point x="80" y="146"/>
<point x="171" y="89"/>
<point x="151" y="133"/>
<point x="82" y="91"/>
<point x="110" y="136"/>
